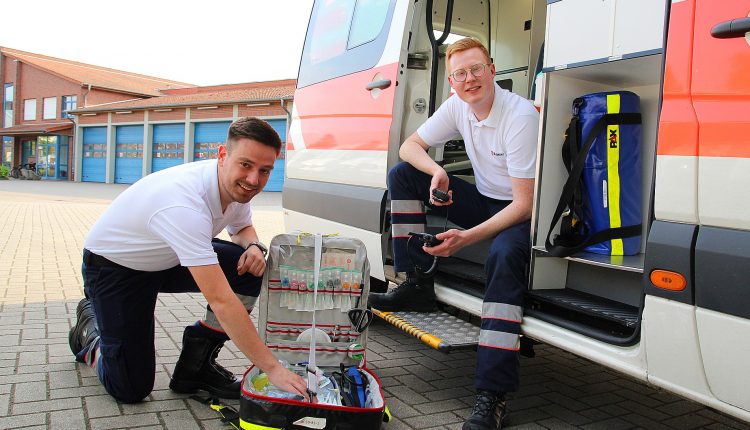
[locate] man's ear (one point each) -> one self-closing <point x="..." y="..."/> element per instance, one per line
<point x="222" y="154"/>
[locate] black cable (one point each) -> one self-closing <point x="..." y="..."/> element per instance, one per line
<point x="435" y="258"/>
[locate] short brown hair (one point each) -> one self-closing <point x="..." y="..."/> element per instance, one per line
<point x="254" y="129"/>
<point x="463" y="45"/>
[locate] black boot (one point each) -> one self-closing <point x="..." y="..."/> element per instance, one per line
<point x="488" y="412"/>
<point x="197" y="368"/>
<point x="416" y="294"/>
<point x="86" y="329"/>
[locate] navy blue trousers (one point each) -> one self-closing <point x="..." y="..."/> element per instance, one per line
<point x="505" y="268"/>
<point x="124" y="301"/>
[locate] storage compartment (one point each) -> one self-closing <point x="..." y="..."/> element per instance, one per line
<point x="602" y="31"/>
<point x="639" y="75"/>
<point x="596" y="295"/>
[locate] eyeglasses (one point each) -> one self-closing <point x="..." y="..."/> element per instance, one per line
<point x="476" y="70"/>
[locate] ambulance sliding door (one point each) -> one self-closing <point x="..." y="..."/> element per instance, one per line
<point x="343" y="120"/>
<point x="343" y="107"/>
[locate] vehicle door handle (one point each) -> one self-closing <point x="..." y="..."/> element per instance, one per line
<point x="731" y="29"/>
<point x="381" y="84"/>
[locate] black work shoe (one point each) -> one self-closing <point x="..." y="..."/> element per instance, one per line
<point x="85" y="331"/>
<point x="488" y="412"/>
<point x="410" y="295"/>
<point x="197" y="369"/>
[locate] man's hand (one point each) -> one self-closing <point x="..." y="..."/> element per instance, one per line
<point x="252" y="261"/>
<point x="440" y="181"/>
<point x="288" y="381"/>
<point x="453" y="240"/>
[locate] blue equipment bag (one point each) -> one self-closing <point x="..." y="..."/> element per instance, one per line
<point x="600" y="206"/>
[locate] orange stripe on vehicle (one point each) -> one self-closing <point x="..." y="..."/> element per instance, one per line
<point x="678" y="125"/>
<point x="363" y="123"/>
<point x="346" y="115"/>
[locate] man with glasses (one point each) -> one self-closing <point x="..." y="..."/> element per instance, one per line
<point x="499" y="130"/>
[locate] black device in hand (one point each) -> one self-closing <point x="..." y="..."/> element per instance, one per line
<point x="426" y="238"/>
<point x="440" y="195"/>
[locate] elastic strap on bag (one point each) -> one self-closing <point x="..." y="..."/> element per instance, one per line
<point x="571" y="241"/>
<point x="229" y="415"/>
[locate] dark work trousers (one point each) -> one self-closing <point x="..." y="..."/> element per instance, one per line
<point x="507" y="261"/>
<point x="124" y="301"/>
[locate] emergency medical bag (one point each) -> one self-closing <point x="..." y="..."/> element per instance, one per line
<point x="600" y="206"/>
<point x="320" y="281"/>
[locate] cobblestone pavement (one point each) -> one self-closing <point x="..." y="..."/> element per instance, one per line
<point x="42" y="387"/>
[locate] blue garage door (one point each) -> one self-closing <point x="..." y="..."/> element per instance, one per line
<point x="280" y="126"/>
<point x="276" y="181"/>
<point x="169" y="146"/>
<point x="208" y="137"/>
<point x="128" y="153"/>
<point x="94" y="154"/>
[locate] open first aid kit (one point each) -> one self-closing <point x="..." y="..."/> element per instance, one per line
<point x="313" y="317"/>
<point x="600" y="207"/>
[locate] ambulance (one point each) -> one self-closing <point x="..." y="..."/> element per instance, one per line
<point x="677" y="313"/>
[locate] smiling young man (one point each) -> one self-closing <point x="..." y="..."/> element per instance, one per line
<point x="499" y="130"/>
<point x="158" y="236"/>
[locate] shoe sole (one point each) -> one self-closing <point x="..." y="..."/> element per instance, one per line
<point x="74" y="343"/>
<point x="190" y="387"/>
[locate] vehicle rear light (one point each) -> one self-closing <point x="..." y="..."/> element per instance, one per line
<point x="668" y="280"/>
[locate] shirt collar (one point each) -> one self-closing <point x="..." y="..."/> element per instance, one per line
<point x="211" y="182"/>
<point x="493" y="120"/>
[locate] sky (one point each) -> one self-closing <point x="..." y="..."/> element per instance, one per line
<point x="237" y="40"/>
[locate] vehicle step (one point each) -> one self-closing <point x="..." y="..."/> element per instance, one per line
<point x="588" y="304"/>
<point x="463" y="269"/>
<point x="440" y="330"/>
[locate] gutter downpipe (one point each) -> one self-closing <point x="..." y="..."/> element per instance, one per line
<point x="86" y="95"/>
<point x="283" y="101"/>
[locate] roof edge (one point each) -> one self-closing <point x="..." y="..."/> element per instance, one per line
<point x="177" y="105"/>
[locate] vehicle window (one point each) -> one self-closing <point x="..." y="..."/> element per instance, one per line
<point x="369" y="18"/>
<point x="343" y="37"/>
<point x="330" y="27"/>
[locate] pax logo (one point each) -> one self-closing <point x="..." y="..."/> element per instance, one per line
<point x="613" y="140"/>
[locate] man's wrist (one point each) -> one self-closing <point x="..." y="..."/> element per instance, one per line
<point x="259" y="245"/>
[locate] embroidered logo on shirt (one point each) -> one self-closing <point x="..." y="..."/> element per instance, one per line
<point x="497" y="154"/>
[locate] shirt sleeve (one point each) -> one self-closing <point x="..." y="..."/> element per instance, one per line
<point x="521" y="142"/>
<point x="242" y="216"/>
<point x="188" y="232"/>
<point x="442" y="125"/>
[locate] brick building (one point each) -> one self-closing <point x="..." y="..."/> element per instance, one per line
<point x="38" y="92"/>
<point x="76" y="121"/>
<point x="123" y="141"/>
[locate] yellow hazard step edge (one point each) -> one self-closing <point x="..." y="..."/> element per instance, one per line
<point x="398" y="322"/>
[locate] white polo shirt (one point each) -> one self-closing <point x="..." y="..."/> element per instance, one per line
<point x="167" y="218"/>
<point x="500" y="147"/>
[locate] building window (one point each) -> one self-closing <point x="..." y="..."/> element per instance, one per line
<point x="7" y="151"/>
<point x="8" y="106"/>
<point x="68" y="103"/>
<point x="50" y="108"/>
<point x="29" y="110"/>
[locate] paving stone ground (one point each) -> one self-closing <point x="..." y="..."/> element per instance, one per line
<point x="41" y="386"/>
